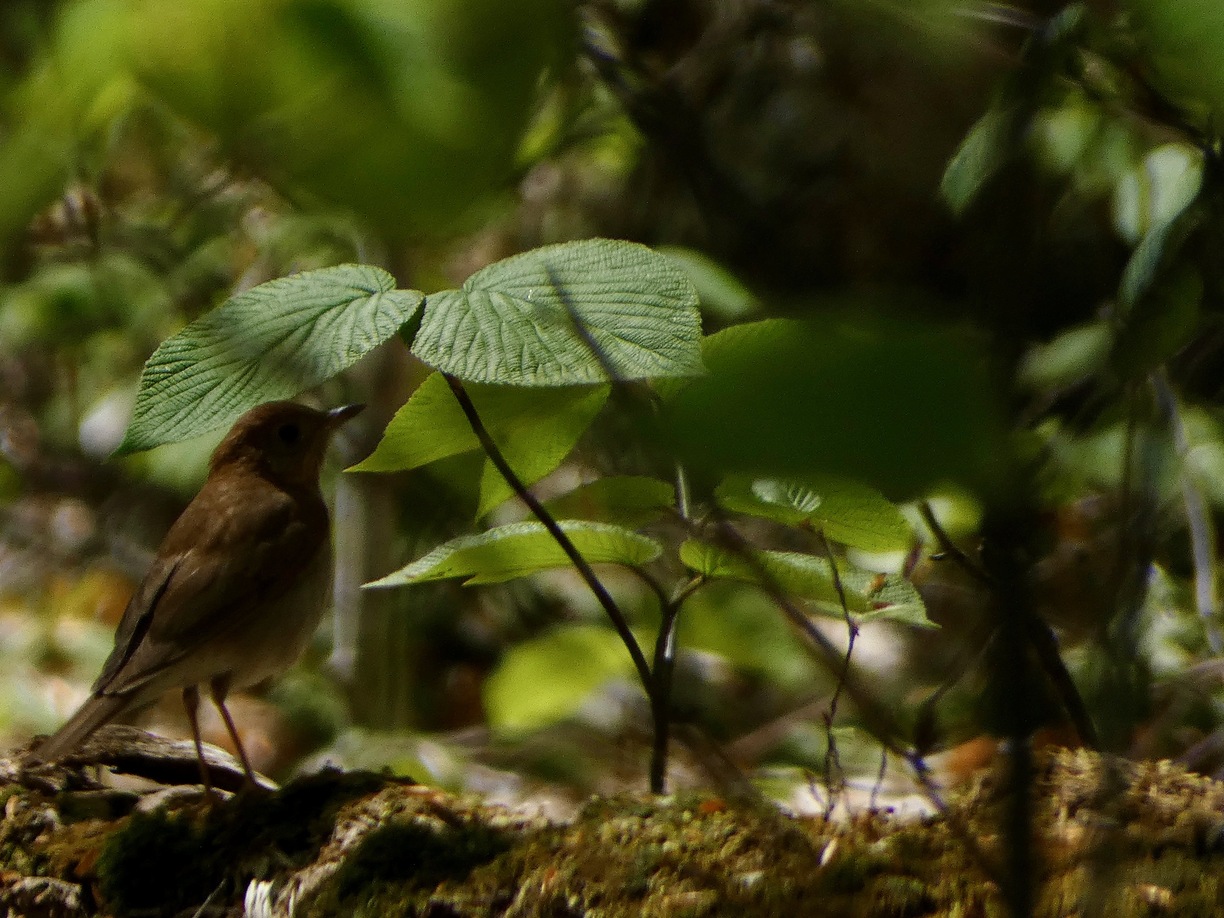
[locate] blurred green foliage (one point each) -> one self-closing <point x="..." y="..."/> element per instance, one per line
<point x="409" y="114"/>
<point x="937" y="248"/>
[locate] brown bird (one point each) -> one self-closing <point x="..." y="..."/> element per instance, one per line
<point x="239" y="584"/>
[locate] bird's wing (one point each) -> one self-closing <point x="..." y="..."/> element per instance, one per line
<point x="136" y="618"/>
<point x="221" y="560"/>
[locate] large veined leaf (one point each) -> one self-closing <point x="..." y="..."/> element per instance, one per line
<point x="549" y="678"/>
<point x="868" y="595"/>
<point x="521" y="549"/>
<point x="845" y="510"/>
<point x="593" y="311"/>
<point x="272" y="341"/>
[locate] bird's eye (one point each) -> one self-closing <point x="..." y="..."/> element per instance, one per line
<point x="289" y="433"/>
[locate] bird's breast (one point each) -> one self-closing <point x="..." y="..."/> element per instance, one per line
<point x="276" y="632"/>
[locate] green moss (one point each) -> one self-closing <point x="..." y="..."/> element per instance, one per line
<point x="401" y="867"/>
<point x="902" y="897"/>
<point x="425" y="852"/>
<point x="418" y="855"/>
<point x="142" y="865"/>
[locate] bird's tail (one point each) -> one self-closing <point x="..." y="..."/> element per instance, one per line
<point x="96" y="711"/>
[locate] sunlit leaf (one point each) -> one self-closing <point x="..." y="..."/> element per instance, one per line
<point x="721" y="293"/>
<point x="1157" y="190"/>
<point x="845" y="510"/>
<point x="1072" y="356"/>
<point x="273" y="341"/>
<point x="549" y="678"/>
<point x="432" y="426"/>
<point x="536" y="449"/>
<point x="1066" y="134"/>
<point x="868" y="595"/>
<point x="521" y="549"/>
<point x="579" y="312"/>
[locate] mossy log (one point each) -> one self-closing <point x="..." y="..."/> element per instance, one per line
<point x="1115" y="837"/>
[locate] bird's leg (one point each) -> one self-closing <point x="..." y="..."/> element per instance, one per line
<point x="191" y="701"/>
<point x="220" y="688"/>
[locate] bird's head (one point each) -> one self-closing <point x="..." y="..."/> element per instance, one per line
<point x="283" y="441"/>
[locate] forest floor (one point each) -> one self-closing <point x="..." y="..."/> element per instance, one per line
<point x="1111" y="838"/>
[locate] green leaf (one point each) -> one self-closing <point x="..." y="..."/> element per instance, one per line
<point x="1156" y="191"/>
<point x="273" y="341"/>
<point x="981" y="153"/>
<point x="627" y="500"/>
<point x="535" y="449"/>
<point x="521" y="549"/>
<point x="1154" y="253"/>
<point x="894" y="403"/>
<point x="744" y="628"/>
<point x="549" y="678"/>
<point x="845" y="510"/>
<point x="579" y="312"/>
<point x="432" y="426"/>
<point x="720" y="292"/>
<point x="1181" y="43"/>
<point x="1164" y="321"/>
<point x="869" y="595"/>
<point x="1075" y="354"/>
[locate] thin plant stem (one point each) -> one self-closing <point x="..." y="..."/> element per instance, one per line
<point x="533" y="504"/>
<point x="1005" y="533"/>
<point x="1035" y="632"/>
<point x="879" y="781"/>
<point x="877" y="719"/>
<point x="1198" y="521"/>
<point x="832" y="756"/>
<point x="882" y="724"/>
<point x="950" y="548"/>
<point x="664" y="668"/>
<point x="682" y="492"/>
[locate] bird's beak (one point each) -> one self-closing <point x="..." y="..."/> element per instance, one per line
<point x="338" y="416"/>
